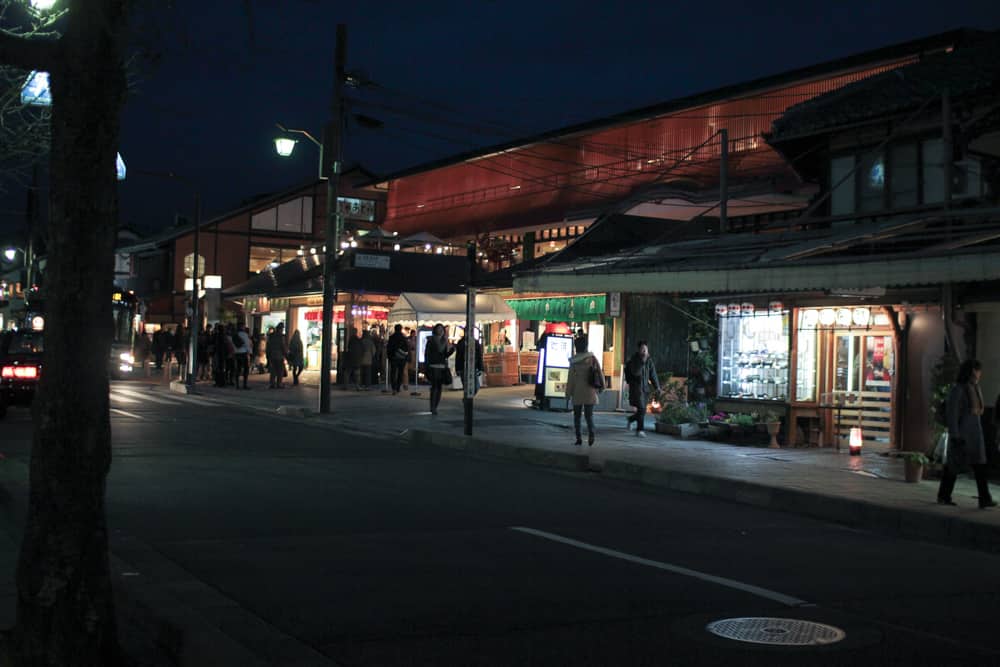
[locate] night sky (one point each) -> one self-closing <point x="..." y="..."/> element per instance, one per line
<point x="205" y="104"/>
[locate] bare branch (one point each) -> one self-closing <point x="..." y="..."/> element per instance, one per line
<point x="27" y="52"/>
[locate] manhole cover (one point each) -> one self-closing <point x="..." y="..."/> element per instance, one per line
<point x="776" y="631"/>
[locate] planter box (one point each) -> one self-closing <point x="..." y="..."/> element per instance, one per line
<point x="679" y="430"/>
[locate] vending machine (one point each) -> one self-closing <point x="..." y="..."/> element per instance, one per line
<point x="553" y="371"/>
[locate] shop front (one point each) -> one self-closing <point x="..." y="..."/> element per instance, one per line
<point x="827" y="371"/>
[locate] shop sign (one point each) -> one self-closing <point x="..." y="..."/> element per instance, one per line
<point x="356" y="209"/>
<point x="367" y="261"/>
<point x="614" y="304"/>
<point x="278" y="305"/>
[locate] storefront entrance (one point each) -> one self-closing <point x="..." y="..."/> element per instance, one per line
<point x="863" y="368"/>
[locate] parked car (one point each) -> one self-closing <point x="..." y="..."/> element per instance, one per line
<point x="20" y="367"/>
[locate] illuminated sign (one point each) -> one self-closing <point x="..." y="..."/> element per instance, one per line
<point x="356" y="209"/>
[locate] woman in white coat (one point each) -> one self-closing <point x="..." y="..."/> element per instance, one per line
<point x="583" y="366"/>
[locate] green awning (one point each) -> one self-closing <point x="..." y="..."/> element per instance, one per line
<point x="560" y="308"/>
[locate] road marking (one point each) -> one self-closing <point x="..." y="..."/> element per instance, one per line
<point x="127" y="414"/>
<point x="148" y="397"/>
<point x="121" y="398"/>
<point x="676" y="569"/>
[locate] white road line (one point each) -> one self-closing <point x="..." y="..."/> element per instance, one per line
<point x="121" y="398"/>
<point x="148" y="397"/>
<point x="127" y="414"/>
<point x="676" y="569"/>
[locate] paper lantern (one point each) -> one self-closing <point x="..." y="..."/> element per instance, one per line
<point x="775" y="307"/>
<point x="843" y="317"/>
<point x="857" y="439"/>
<point x="721" y="309"/>
<point x="746" y="308"/>
<point x="810" y="318"/>
<point x="827" y="317"/>
<point x="861" y="316"/>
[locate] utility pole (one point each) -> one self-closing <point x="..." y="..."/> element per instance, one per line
<point x="469" y="379"/>
<point x="194" y="322"/>
<point x="331" y="160"/>
<point x="724" y="181"/>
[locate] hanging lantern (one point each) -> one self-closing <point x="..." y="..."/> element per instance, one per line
<point x="827" y="317"/>
<point x="857" y="439"/>
<point x="810" y="318"/>
<point x="734" y="309"/>
<point x="843" y="317"/>
<point x="861" y="316"/>
<point x="721" y="309"/>
<point x="775" y="307"/>
<point x="746" y="308"/>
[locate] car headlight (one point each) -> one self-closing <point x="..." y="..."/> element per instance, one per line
<point x="127" y="357"/>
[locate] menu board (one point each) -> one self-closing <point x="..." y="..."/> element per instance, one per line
<point x="558" y="350"/>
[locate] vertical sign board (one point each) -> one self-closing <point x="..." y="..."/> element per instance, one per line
<point x="614" y="304"/>
<point x="558" y="350"/>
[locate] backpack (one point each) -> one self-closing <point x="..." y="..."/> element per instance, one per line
<point x="595" y="378"/>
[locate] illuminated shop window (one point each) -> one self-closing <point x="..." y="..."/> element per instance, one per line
<point x="806" y="358"/>
<point x="753" y="356"/>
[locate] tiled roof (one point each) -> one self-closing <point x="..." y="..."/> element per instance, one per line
<point x="968" y="71"/>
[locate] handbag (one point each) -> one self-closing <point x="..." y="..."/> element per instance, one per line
<point x="595" y="377"/>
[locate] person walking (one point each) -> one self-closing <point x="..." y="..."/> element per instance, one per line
<point x="584" y="373"/>
<point x="276" y="351"/>
<point x="460" y="361"/>
<point x="436" y="353"/>
<point x="243" y="347"/>
<point x="157" y="349"/>
<point x="966" y="444"/>
<point x="367" y="358"/>
<point x="640" y="373"/>
<point x="354" y="353"/>
<point x="398" y="351"/>
<point x="296" y="356"/>
<point x="411" y="363"/>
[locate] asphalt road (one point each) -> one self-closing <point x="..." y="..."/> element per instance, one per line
<point x="379" y="553"/>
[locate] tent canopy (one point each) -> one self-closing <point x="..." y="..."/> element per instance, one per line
<point x="422" y="309"/>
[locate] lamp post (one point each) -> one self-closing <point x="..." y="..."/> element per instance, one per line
<point x="331" y="150"/>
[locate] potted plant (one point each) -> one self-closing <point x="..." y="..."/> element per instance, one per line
<point x="913" y="465"/>
<point x="718" y="426"/>
<point x="680" y="419"/>
<point x="772" y="421"/>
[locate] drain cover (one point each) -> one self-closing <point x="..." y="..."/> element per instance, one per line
<point x="776" y="631"/>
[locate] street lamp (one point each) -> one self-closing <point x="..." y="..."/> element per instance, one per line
<point x="330" y="166"/>
<point x="10" y="254"/>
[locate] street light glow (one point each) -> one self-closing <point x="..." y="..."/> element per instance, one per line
<point x="43" y="5"/>
<point x="284" y="146"/>
<point x="35" y="91"/>
<point x="10" y="254"/>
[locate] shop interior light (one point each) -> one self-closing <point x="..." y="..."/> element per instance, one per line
<point x="861" y="316"/>
<point x="300" y="252"/>
<point x="827" y="317"/>
<point x="843" y="317"/>
<point x="354" y="244"/>
<point x="213" y="282"/>
<point x="395" y="247"/>
<point x="312" y="251"/>
<point x="810" y="318"/>
<point x="10" y="254"/>
<point x="881" y="319"/>
<point x="43" y="5"/>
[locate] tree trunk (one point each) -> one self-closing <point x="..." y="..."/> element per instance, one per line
<point x="65" y="612"/>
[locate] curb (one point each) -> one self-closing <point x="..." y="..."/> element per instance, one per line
<point x="907" y="523"/>
<point x="530" y="455"/>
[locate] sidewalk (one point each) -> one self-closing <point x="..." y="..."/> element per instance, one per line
<point x="864" y="491"/>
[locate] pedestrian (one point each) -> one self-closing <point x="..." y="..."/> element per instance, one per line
<point x="460" y="362"/>
<point x="203" y="353"/>
<point x="367" y="358"/>
<point x="640" y="373"/>
<point x="966" y="444"/>
<point x="355" y="350"/>
<point x="436" y="353"/>
<point x="276" y="350"/>
<point x="243" y="346"/>
<point x="142" y="352"/>
<point x="411" y="363"/>
<point x="398" y="351"/>
<point x="219" y="355"/>
<point x="584" y="374"/>
<point x="296" y="356"/>
<point x="157" y="348"/>
<point x="181" y="343"/>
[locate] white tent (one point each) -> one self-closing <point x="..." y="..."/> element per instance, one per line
<point x="422" y="309"/>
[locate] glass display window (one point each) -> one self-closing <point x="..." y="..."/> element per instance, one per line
<point x="806" y="358"/>
<point x="753" y="356"/>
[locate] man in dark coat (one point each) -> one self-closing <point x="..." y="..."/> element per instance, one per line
<point x="398" y="351"/>
<point x="460" y="361"/>
<point x="640" y="373"/>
